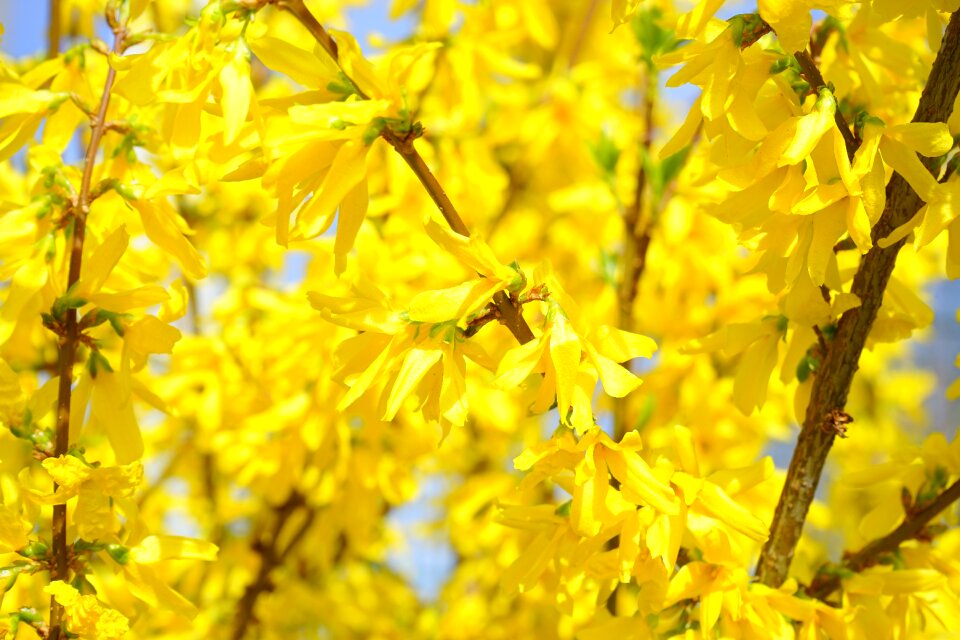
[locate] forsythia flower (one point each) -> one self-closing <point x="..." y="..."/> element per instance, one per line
<point x="86" y="616"/>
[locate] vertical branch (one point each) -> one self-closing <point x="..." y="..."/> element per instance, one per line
<point x="271" y="557"/>
<point x="71" y="335"/>
<point x="636" y="242"/>
<point x="582" y="33"/>
<point x="828" y="397"/>
<point x="54" y="29"/>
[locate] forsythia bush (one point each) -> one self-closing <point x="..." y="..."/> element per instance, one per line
<point x="260" y="288"/>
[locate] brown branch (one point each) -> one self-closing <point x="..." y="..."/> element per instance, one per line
<point x="271" y="557"/>
<point x="72" y="332"/>
<point x="809" y="70"/>
<point x="582" y="34"/>
<point x="911" y="528"/>
<point x="636" y="242"/>
<point x="511" y="315"/>
<point x="54" y="29"/>
<point x="811" y="73"/>
<point x="832" y="382"/>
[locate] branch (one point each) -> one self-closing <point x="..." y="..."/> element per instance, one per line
<point x="271" y="557"/>
<point x="72" y="332"/>
<point x="510" y="313"/>
<point x="636" y="242"/>
<point x="54" y="30"/>
<point x="912" y="527"/>
<point x="582" y="34"/>
<point x="811" y="73"/>
<point x="832" y="382"/>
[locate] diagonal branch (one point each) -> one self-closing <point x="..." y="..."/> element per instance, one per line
<point x="812" y="75"/>
<point x="831" y="385"/>
<point x="912" y="527"/>
<point x="510" y="312"/>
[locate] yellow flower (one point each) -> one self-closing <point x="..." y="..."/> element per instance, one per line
<point x="86" y="616"/>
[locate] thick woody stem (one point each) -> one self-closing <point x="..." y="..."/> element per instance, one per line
<point x="832" y="382"/>
<point x="71" y="337"/>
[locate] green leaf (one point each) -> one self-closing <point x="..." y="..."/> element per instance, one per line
<point x="119" y="553"/>
<point x="606" y="154"/>
<point x="652" y="36"/>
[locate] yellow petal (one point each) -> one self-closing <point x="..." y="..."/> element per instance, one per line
<point x="942" y="210"/>
<point x="638" y="484"/>
<point x="810" y="129"/>
<point x="717" y="504"/>
<point x="753" y="374"/>
<point x="124" y="301"/>
<point x="415" y="366"/>
<point x="156" y="548"/>
<point x="908" y="165"/>
<point x="685" y="133"/>
<point x="518" y="363"/>
<point x="526" y="570"/>
<point x="13" y="529"/>
<point x="308" y="70"/>
<point x="828" y="226"/>
<point x="452" y="303"/>
<point x="67" y="471"/>
<point x="346" y="172"/>
<point x="98" y="266"/>
<point x="929" y="139"/>
<point x="617" y="380"/>
<point x="112" y="408"/>
<point x="353" y="209"/>
<point x="471" y="252"/>
<point x="565" y="355"/>
<point x="791" y="19"/>
<point x="161" y="223"/>
<point x="621" y="346"/>
<point x="237" y="92"/>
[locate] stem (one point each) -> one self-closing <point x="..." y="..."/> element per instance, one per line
<point x="832" y="382"/>
<point x="71" y="337"/>
<point x="912" y="527"/>
<point x="54" y="30"/>
<point x="582" y="34"/>
<point x="636" y="243"/>
<point x="271" y="557"/>
<point x="812" y="74"/>
<point x="510" y="312"/>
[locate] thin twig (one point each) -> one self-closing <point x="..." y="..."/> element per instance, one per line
<point x="582" y="34"/>
<point x="835" y="375"/>
<point x="510" y="313"/>
<point x="71" y="337"/>
<point x="813" y="76"/>
<point x="912" y="527"/>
